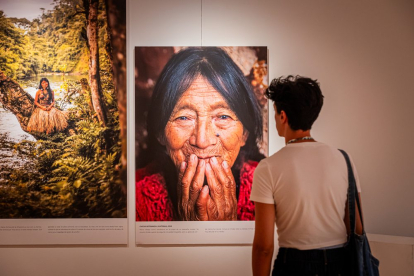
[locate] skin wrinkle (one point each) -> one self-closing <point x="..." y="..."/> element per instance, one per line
<point x="193" y="192"/>
<point x="199" y="115"/>
<point x="202" y="105"/>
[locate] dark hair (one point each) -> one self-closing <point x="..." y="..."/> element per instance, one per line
<point x="221" y="72"/>
<point x="48" y="89"/>
<point x="300" y="97"/>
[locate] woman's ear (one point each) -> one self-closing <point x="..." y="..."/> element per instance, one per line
<point x="161" y="140"/>
<point x="245" y="136"/>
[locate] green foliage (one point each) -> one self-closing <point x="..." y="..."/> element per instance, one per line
<point x="12" y="51"/>
<point x="21" y="193"/>
<point x="56" y="41"/>
<point x="66" y="176"/>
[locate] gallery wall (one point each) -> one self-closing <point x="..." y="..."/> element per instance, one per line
<point x="361" y="52"/>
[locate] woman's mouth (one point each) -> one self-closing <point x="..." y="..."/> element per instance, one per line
<point x="206" y="157"/>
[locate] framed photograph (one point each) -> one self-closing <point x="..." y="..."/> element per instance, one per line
<point x="63" y="122"/>
<point x="201" y="128"/>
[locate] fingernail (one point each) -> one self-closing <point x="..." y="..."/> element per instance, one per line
<point x="193" y="157"/>
<point x="214" y="160"/>
<point x="208" y="167"/>
<point x="205" y="190"/>
<point x="225" y="165"/>
<point x="182" y="167"/>
<point x="202" y="162"/>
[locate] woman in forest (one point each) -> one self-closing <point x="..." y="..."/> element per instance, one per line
<point x="46" y="118"/>
<point x="203" y="124"/>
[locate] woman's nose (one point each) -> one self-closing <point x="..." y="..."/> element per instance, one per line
<point x="204" y="134"/>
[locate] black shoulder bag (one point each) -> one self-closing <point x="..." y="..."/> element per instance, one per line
<point x="361" y="260"/>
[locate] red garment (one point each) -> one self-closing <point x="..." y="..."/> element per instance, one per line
<point x="153" y="204"/>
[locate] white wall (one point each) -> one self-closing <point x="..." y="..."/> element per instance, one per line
<point x="361" y="52"/>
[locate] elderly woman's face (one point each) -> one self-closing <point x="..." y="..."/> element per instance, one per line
<point x="203" y="124"/>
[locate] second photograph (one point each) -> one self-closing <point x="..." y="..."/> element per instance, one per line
<point x="201" y="127"/>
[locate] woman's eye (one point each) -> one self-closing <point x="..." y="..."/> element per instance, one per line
<point x="224" y="117"/>
<point x="182" y="118"/>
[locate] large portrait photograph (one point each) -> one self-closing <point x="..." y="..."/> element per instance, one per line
<point x="62" y="115"/>
<point x="201" y="125"/>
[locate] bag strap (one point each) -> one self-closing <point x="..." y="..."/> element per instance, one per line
<point x="352" y="196"/>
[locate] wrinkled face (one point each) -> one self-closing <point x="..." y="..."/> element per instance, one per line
<point x="203" y="124"/>
<point x="44" y="84"/>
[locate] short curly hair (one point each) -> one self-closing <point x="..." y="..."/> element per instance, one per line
<point x="300" y="97"/>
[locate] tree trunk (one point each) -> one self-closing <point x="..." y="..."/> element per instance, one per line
<point x="86" y="90"/>
<point x="94" y="78"/>
<point x="108" y="39"/>
<point x="116" y="16"/>
<point x="16" y="100"/>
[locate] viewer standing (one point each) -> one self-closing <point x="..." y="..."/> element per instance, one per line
<point x="303" y="188"/>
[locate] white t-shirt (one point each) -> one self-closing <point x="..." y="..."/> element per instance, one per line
<point x="308" y="183"/>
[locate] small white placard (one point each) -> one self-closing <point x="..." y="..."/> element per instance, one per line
<point x="194" y="232"/>
<point x="63" y="231"/>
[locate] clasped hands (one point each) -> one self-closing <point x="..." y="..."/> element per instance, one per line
<point x="215" y="201"/>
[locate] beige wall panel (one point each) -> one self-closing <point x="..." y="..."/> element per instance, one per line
<point x="395" y="259"/>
